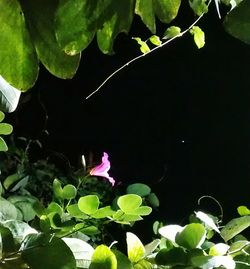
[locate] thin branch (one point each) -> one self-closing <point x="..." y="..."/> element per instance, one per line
<point x="142" y="55"/>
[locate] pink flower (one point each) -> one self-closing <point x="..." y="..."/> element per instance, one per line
<point x="102" y="169"/>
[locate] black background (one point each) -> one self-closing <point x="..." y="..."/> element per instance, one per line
<point x="177" y="119"/>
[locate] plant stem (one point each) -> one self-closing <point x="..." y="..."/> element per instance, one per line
<point x="142" y="55"/>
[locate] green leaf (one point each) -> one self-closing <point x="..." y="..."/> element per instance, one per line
<point x="143" y="264"/>
<point x="135" y="248"/>
<point x="237" y="22"/>
<point x="219" y="249"/>
<point x="40" y="14"/>
<point x="5" y="129"/>
<point x="19" y="64"/>
<point x="57" y="189"/>
<point x="153" y="200"/>
<point x="69" y="192"/>
<point x="129" y="202"/>
<point x="89" y="204"/>
<point x="138" y="188"/>
<point x="103" y="258"/>
<point x="2" y="116"/>
<point x="199" y="36"/>
<point x="103" y="212"/>
<point x="76" y="24"/>
<point x="172" y="257"/>
<point x="155" y="40"/>
<point x="205" y="262"/>
<point x="41" y="251"/>
<point x="145" y="9"/>
<point x="207" y="220"/>
<point x="199" y="6"/>
<point x="3" y="145"/>
<point x="117" y="19"/>
<point x="142" y="211"/>
<point x="122" y="260"/>
<point x="171" y="32"/>
<point x="170" y="231"/>
<point x="9" y="96"/>
<point x="143" y="45"/>
<point x="150" y="247"/>
<point x="234" y="227"/>
<point x="192" y="236"/>
<point x="166" y="10"/>
<point x="8" y="210"/>
<point x="7" y="243"/>
<point x="81" y="250"/>
<point x="74" y="211"/>
<point x="243" y="210"/>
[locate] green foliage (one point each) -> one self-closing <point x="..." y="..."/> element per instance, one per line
<point x="55" y="33"/>
<point x="5" y="129"/>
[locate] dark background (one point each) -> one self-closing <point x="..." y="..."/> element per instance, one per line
<point x="177" y="119"/>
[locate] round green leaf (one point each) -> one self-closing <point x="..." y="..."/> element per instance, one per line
<point x="166" y="10"/>
<point x="89" y="204"/>
<point x="103" y="258"/>
<point x="5" y="129"/>
<point x="129" y="202"/>
<point x="103" y="212"/>
<point x="192" y="236"/>
<point x="153" y="200"/>
<point x="69" y="192"/>
<point x="2" y="116"/>
<point x="142" y="210"/>
<point x="139" y="189"/>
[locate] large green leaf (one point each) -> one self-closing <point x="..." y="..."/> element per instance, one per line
<point x="103" y="258"/>
<point x="139" y="189"/>
<point x="9" y="96"/>
<point x="76" y="24"/>
<point x="234" y="227"/>
<point x="135" y="248"/>
<point x="145" y="9"/>
<point x="129" y="202"/>
<point x="237" y="22"/>
<point x="192" y="236"/>
<point x="89" y="204"/>
<point x="40" y="15"/>
<point x="19" y="64"/>
<point x="166" y="10"/>
<point x="40" y="252"/>
<point x="116" y="19"/>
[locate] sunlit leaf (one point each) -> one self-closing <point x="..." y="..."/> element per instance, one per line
<point x="243" y="210"/>
<point x="19" y="64"/>
<point x="135" y="248"/>
<point x="9" y="96"/>
<point x="117" y="19"/>
<point x="103" y="212"/>
<point x="145" y="9"/>
<point x="40" y="14"/>
<point x="103" y="258"/>
<point x="234" y="227"/>
<point x="170" y="231"/>
<point x="166" y="10"/>
<point x="143" y="264"/>
<point x="199" y="36"/>
<point x="81" y="250"/>
<point x="3" y="145"/>
<point x="154" y="39"/>
<point x="2" y="116"/>
<point x="150" y="247"/>
<point x="57" y="189"/>
<point x="207" y="220"/>
<point x="219" y="249"/>
<point x="205" y="262"/>
<point x="129" y="202"/>
<point x="171" y="32"/>
<point x="192" y="236"/>
<point x="199" y="6"/>
<point x="89" y="204"/>
<point x="5" y="129"/>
